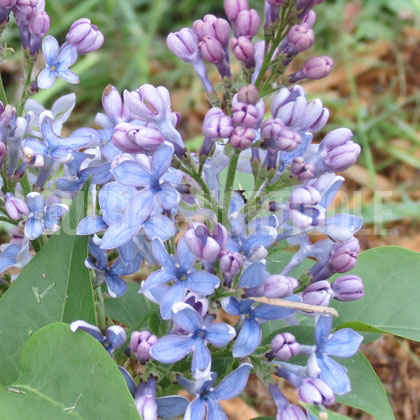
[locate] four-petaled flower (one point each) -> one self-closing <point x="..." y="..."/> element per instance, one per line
<point x="249" y="336"/>
<point x="58" y="60"/>
<point x="42" y="218"/>
<point x="343" y="343"/>
<point x="179" y="270"/>
<point x="174" y="347"/>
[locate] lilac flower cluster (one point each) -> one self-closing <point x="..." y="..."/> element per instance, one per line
<point x="145" y="184"/>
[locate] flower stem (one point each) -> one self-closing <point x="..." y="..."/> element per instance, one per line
<point x="227" y="196"/>
<point x="3" y="96"/>
<point x="7" y="220"/>
<point x="100" y="309"/>
<point x="29" y="65"/>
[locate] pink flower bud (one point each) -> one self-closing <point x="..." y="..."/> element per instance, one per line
<point x="301" y="170"/>
<point x="300" y="38"/>
<point x="315" y="391"/>
<point x="277" y="286"/>
<point x="318" y="293"/>
<point x="113" y="105"/>
<point x="318" y="67"/>
<point x="217" y="125"/>
<point x="140" y="343"/>
<point x="212" y="50"/>
<point x="231" y="263"/>
<point x="247" y="23"/>
<point x="243" y="50"/>
<point x="84" y="36"/>
<point x="136" y="139"/>
<point x="246" y="115"/>
<point x="347" y="288"/>
<point x="248" y="94"/>
<point x="285" y="346"/>
<point x="213" y="27"/>
<point x="242" y="137"/>
<point x="233" y="7"/>
<point x="184" y="44"/>
<point x="15" y="207"/>
<point x="310" y="18"/>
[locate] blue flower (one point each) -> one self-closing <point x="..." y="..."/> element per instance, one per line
<point x="179" y="270"/>
<point x="58" y="60"/>
<point x="53" y="146"/>
<point x="249" y="336"/>
<point x="42" y="218"/>
<point x="97" y="170"/>
<point x="173" y="347"/>
<point x="207" y="398"/>
<point x="114" y="337"/>
<point x="148" y="405"/>
<point x="157" y="182"/>
<point x="343" y="343"/>
<point x="122" y="266"/>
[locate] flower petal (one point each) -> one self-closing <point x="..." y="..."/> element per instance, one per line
<point x="116" y="285"/>
<point x="214" y="411"/>
<point x="172" y="406"/>
<point x="248" y="338"/>
<point x="69" y="76"/>
<point x="8" y="257"/>
<point x="159" y="226"/>
<point x="139" y="207"/>
<point x="46" y="79"/>
<point x="185" y="257"/>
<point x="117" y="235"/>
<point x="66" y="58"/>
<point x="196" y="410"/>
<point x="92" y="330"/>
<point x="132" y="174"/>
<point x="161" y="159"/>
<point x="202" y="282"/>
<point x="162" y="256"/>
<point x="33" y="228"/>
<point x="171" y="348"/>
<point x="37" y="146"/>
<point x="175" y="294"/>
<point x="186" y="317"/>
<point x="343" y="343"/>
<point x="334" y="375"/>
<point x="322" y="331"/>
<point x="233" y="384"/>
<point x="50" y="49"/>
<point x="201" y="357"/>
<point x="156" y="279"/>
<point x="168" y="197"/>
<point x="90" y="225"/>
<point x="234" y="306"/>
<point x="219" y="334"/>
<point x="253" y="276"/>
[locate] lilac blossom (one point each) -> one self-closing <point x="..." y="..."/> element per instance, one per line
<point x="207" y="397"/>
<point x="249" y="336"/>
<point x="57" y="63"/>
<point x="172" y="348"/>
<point x="180" y="270"/>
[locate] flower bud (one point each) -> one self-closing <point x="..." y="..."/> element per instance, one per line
<point x="347" y="288"/>
<point x="84" y="36"/>
<point x="246" y="115"/>
<point x="315" y="391"/>
<point x="6" y="114"/>
<point x="140" y="343"/>
<point x="5" y="9"/>
<point x="248" y="94"/>
<point x="344" y="256"/>
<point x="275" y="3"/>
<point x="136" y="139"/>
<point x="3" y="150"/>
<point x="310" y="18"/>
<point x="213" y="27"/>
<point x="342" y="157"/>
<point x="319" y="293"/>
<point x="147" y="407"/>
<point x="201" y="243"/>
<point x="335" y="138"/>
<point x="291" y="412"/>
<point x="184" y="44"/>
<point x="305" y="196"/>
<point x="301" y="170"/>
<point x="278" y="286"/>
<point x="234" y="7"/>
<point x="242" y="137"/>
<point x="231" y="263"/>
<point x="113" y="105"/>
<point x="212" y="50"/>
<point x="217" y="125"/>
<point x="285" y="346"/>
<point x="318" y="67"/>
<point x="247" y="23"/>
<point x="243" y="50"/>
<point x="115" y="337"/>
<point x="300" y="38"/>
<point x="15" y="207"/>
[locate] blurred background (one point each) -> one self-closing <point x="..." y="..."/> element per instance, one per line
<point x="373" y="89"/>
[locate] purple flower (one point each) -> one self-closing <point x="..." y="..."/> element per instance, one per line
<point x="243" y="49"/>
<point x="278" y="286"/>
<point x="156" y="181"/>
<point x="315" y="68"/>
<point x="53" y="146"/>
<point x="112" y="275"/>
<point x="207" y="397"/>
<point x="315" y="391"/>
<point x="140" y="343"/>
<point x="249" y="336"/>
<point x="178" y="269"/>
<point x="58" y="62"/>
<point x="343" y="343"/>
<point x="247" y="23"/>
<point x="41" y="217"/>
<point x="114" y="337"/>
<point x="285" y="346"/>
<point x="234" y="7"/>
<point x="318" y="293"/>
<point x="132" y="138"/>
<point x="285" y="410"/>
<point x="348" y="288"/>
<point x="172" y="348"/>
<point x="300" y="38"/>
<point x="84" y="36"/>
<point x="213" y="27"/>
<point x="15" y="206"/>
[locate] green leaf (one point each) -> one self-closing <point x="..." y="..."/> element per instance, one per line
<point x="67" y="375"/>
<point x="390" y="275"/>
<point x="367" y="392"/>
<point x="54" y="286"/>
<point x="131" y="308"/>
<point x="319" y="413"/>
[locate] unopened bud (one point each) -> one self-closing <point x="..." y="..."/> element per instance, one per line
<point x="285" y="346"/>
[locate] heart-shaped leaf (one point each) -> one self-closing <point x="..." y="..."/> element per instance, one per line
<point x="67" y="375"/>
